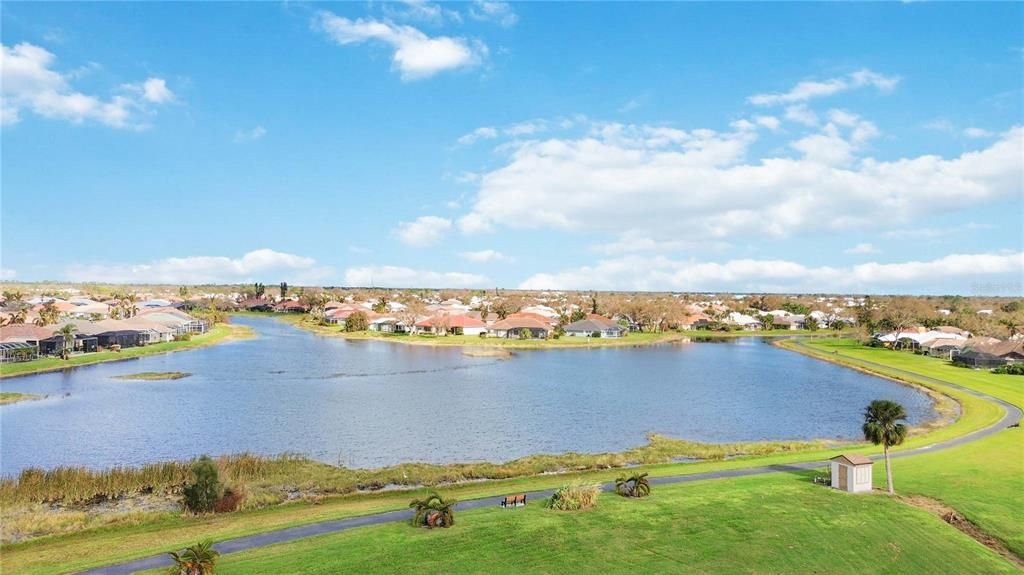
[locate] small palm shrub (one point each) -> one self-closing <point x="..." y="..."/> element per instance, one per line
<point x="202" y="494"/>
<point x="574" y="497"/>
<point x="198" y="559"/>
<point x="433" y="511"/>
<point x="635" y="485"/>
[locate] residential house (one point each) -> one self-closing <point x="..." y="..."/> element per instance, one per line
<point x="451" y="324"/>
<point x="594" y="326"/>
<point x="512" y="328"/>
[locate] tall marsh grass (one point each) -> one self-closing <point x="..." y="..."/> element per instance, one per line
<point x="575" y="496"/>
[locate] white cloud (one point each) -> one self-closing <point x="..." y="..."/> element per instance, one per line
<point x="30" y="83"/>
<point x="973" y="132"/>
<point x="420" y="11"/>
<point x="416" y="55"/>
<point x="155" y="90"/>
<point x="703" y="185"/>
<point x="491" y="11"/>
<point x="527" y="128"/>
<point x="258" y="265"/>
<point x="250" y="135"/>
<point x="394" y="276"/>
<point x="640" y="241"/>
<point x="801" y="115"/>
<point x="7" y="274"/>
<point x="863" y="248"/>
<point x="661" y="273"/>
<point x="424" y="231"/>
<point x="812" y="89"/>
<point x="940" y="125"/>
<point x="485" y="256"/>
<point x="770" y="122"/>
<point x="935" y="233"/>
<point x="482" y="133"/>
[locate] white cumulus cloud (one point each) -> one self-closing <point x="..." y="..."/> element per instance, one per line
<point x="493" y="11"/>
<point x="424" y="231"/>
<point x="863" y="248"/>
<point x="415" y="55"/>
<point x="628" y="179"/>
<point x="396" y="276"/>
<point x="811" y="89"/>
<point x="257" y="265"/>
<point x="950" y="274"/>
<point x="30" y="83"/>
<point x="484" y="256"/>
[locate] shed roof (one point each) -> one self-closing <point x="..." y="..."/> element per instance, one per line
<point x="854" y="459"/>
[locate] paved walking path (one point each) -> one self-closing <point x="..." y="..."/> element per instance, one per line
<point x="1013" y="416"/>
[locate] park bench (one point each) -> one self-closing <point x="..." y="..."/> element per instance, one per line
<point x="514" y="500"/>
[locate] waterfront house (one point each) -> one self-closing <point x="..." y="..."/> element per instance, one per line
<point x="511" y="327"/>
<point x="851" y="472"/>
<point x="594" y="326"/>
<point x="121" y="337"/>
<point x="451" y="324"/>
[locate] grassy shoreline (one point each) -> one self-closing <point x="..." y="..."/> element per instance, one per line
<point x="222" y="333"/>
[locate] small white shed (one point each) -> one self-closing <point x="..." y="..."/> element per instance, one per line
<point x="851" y="472"/>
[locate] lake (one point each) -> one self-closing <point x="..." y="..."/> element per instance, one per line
<point x="371" y="403"/>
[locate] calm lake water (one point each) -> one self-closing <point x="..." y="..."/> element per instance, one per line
<point x="369" y="404"/>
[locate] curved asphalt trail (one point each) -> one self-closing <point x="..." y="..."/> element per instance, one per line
<point x="1012" y="416"/>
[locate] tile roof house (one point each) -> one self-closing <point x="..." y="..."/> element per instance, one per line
<point x="511" y="327"/>
<point x="451" y="324"/>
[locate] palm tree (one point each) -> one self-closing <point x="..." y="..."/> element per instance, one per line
<point x="881" y="427"/>
<point x="68" y="332"/>
<point x="433" y="511"/>
<point x="198" y="559"/>
<point x="635" y="485"/>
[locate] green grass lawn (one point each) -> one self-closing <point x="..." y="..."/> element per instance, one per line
<point x="218" y="334"/>
<point x="770" y="524"/>
<point x="983" y="480"/>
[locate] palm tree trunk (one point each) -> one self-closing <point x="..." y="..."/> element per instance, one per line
<point x="888" y="469"/>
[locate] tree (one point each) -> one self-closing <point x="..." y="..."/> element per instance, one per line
<point x="524" y="333"/>
<point x="381" y="306"/>
<point x="882" y="427"/>
<point x="433" y="511"/>
<point x="48" y="314"/>
<point x="259" y="289"/>
<point x="635" y="485"/>
<point x="183" y="291"/>
<point x="811" y="323"/>
<point x="577" y="315"/>
<point x="767" y="321"/>
<point x="198" y="559"/>
<point x="68" y="335"/>
<point x="202" y="494"/>
<point x="593" y="303"/>
<point x="357" y="322"/>
<point x="796" y="308"/>
<point x="284" y="289"/>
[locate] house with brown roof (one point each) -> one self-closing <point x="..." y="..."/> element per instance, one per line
<point x="513" y="327"/>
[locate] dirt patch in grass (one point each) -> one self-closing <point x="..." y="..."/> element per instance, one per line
<point x="154" y="375"/>
<point x="965" y="525"/>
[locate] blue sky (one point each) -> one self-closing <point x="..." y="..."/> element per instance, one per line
<point x="766" y="147"/>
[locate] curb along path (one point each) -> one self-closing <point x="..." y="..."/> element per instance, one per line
<point x="1012" y="416"/>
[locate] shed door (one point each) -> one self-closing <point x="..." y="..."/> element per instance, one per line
<point x="844" y="473"/>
